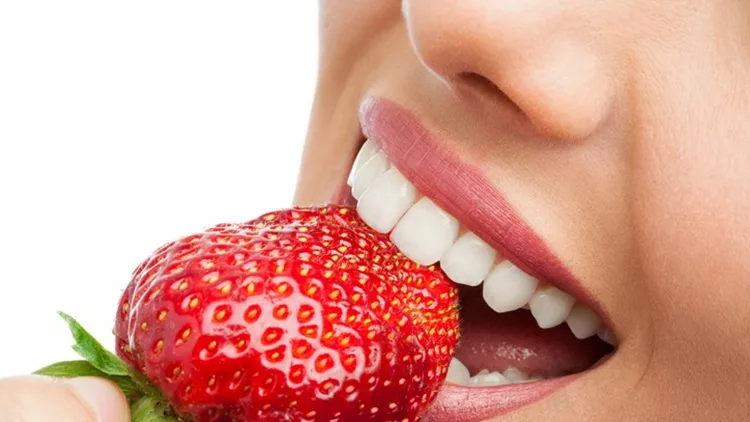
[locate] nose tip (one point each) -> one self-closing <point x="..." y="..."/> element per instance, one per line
<point x="525" y="52"/>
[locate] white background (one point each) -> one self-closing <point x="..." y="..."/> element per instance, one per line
<point x="124" y="125"/>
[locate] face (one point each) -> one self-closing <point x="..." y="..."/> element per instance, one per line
<point x="580" y="167"/>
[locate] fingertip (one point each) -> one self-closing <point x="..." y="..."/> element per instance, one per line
<point x="103" y="396"/>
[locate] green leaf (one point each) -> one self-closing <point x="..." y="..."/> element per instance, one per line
<point x="71" y="368"/>
<point x="91" y="350"/>
<point x="104" y="360"/>
<point x="150" y="409"/>
<point x="146" y="401"/>
<point x="82" y="368"/>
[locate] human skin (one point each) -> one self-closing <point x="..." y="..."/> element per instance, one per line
<point x="618" y="130"/>
<point x="34" y="398"/>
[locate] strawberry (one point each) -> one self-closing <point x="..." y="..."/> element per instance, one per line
<point x="303" y="314"/>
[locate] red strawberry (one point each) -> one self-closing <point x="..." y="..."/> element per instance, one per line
<point x="300" y="315"/>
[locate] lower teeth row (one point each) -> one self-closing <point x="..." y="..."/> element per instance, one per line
<point x="458" y="374"/>
<point x="485" y="378"/>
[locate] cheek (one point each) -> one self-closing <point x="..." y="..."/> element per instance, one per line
<point x="690" y="201"/>
<point x="692" y="193"/>
<point x="691" y="198"/>
<point x="692" y="232"/>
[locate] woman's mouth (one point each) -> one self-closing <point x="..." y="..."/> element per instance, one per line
<point x="528" y="326"/>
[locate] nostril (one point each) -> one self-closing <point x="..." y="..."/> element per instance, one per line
<point x="555" y="104"/>
<point x="484" y="87"/>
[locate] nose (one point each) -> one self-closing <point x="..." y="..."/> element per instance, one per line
<point x="542" y="55"/>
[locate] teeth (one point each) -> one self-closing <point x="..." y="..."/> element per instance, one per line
<point x="386" y="201"/>
<point x="550" y="306"/>
<point x="364" y="177"/>
<point x="457" y="373"/>
<point x="425" y="233"/>
<point x="485" y="378"/>
<point x="488" y="379"/>
<point x="583" y="322"/>
<point x="469" y="260"/>
<point x="515" y="375"/>
<point x="507" y="288"/>
<point x="365" y="153"/>
<point x="606" y="336"/>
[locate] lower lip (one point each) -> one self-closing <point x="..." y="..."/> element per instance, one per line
<point x="474" y="404"/>
<point x="455" y="403"/>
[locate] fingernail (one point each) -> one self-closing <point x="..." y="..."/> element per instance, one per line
<point x="104" y="397"/>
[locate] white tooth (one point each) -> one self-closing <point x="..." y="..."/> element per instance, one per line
<point x="515" y="375"/>
<point x="457" y="373"/>
<point x="369" y="148"/>
<point x="469" y="260"/>
<point x="425" y="233"/>
<point x="366" y="175"/>
<point x="386" y="200"/>
<point x="488" y="379"/>
<point x="606" y="336"/>
<point x="583" y="322"/>
<point x="550" y="306"/>
<point x="507" y="288"/>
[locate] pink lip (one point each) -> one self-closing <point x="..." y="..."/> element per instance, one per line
<point x="472" y="404"/>
<point x="464" y="192"/>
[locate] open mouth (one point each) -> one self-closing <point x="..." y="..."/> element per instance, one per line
<point x="528" y="328"/>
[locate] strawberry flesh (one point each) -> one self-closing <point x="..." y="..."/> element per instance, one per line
<point x="304" y="314"/>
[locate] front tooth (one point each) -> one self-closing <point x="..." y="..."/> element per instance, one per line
<point x="469" y="260"/>
<point x="583" y="322"/>
<point x="425" y="233"/>
<point x="369" y="148"/>
<point x="386" y="200"/>
<point x="488" y="379"/>
<point x="515" y="375"/>
<point x="550" y="306"/>
<point x="368" y="173"/>
<point x="457" y="373"/>
<point x="507" y="288"/>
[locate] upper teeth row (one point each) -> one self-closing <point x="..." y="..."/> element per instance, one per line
<point x="425" y="233"/>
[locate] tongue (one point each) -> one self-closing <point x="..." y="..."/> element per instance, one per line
<point x="496" y="342"/>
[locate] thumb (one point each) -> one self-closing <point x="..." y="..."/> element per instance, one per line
<point x="41" y="399"/>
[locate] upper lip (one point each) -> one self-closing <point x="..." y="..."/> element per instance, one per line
<point x="463" y="191"/>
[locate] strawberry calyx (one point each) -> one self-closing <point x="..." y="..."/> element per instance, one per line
<point x="147" y="404"/>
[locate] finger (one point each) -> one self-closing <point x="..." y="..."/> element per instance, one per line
<point x="43" y="399"/>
